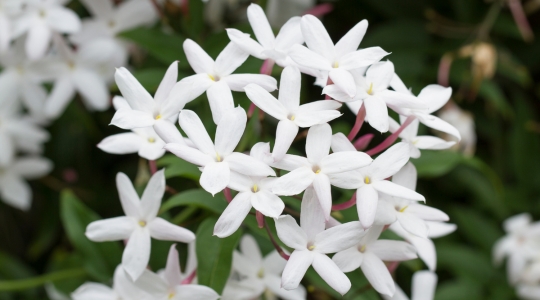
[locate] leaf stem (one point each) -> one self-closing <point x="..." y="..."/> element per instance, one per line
<point x="24" y="284"/>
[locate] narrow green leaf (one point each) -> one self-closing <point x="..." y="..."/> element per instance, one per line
<point x="196" y="197"/>
<point x="165" y="47"/>
<point x="214" y="255"/>
<point x="436" y="163"/>
<point x="177" y="167"/>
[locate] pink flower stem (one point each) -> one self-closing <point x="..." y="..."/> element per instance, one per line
<point x="521" y="20"/>
<point x="276" y="245"/>
<point x="345" y="205"/>
<point x="443" y="74"/>
<point x="153" y="166"/>
<point x="227" y="194"/>
<point x="328" y="82"/>
<point x="391" y="139"/>
<point x="360" y="117"/>
<point x="260" y="219"/>
<point x="392" y="266"/>
<point x="190" y="278"/>
<point x="251" y="110"/>
<point x="320" y="10"/>
<point x="267" y="67"/>
<point x="362" y="142"/>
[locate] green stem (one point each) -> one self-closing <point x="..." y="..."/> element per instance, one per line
<point x="184" y="214"/>
<point x="24" y="284"/>
<point x="489" y="20"/>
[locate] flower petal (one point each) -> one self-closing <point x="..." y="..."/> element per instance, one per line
<point x="390" y="161"/>
<point x="377" y="113"/>
<point x="247" y="44"/>
<point x="233" y="216"/>
<point x="294" y="182"/>
<point x="286" y="131"/>
<point x="238" y="82"/>
<point x="344" y="80"/>
<point x="215" y="177"/>
<point x="137" y="253"/>
<point x="129" y="119"/>
<point x="194" y="128"/>
<point x="220" y="99"/>
<point x="427" y="213"/>
<point x="348" y="260"/>
<point x="167" y="83"/>
<point x="92" y="88"/>
<point x="439" y="124"/>
<point x="198" y="59"/>
<point x="37" y="41"/>
<point x="362" y="58"/>
<point x="16" y="192"/>
<point x="413" y="224"/>
<point x="344" y="161"/>
<point x="406" y="177"/>
<point x="321" y="185"/>
<point x="172" y="274"/>
<point x="316" y="36"/>
<point x="309" y="59"/>
<point x="128" y="196"/>
<point x="289" y="35"/>
<point x="134" y="93"/>
<point x="151" y="197"/>
<point x="377" y="274"/>
<point x="195" y="292"/>
<point x="62" y="92"/>
<point x="312" y="218"/>
<point x="161" y="229"/>
<point x="229" y="60"/>
<point x="366" y="204"/>
<point x="339" y="238"/>
<point x="432" y="143"/>
<point x="351" y="41"/>
<point x="230" y="130"/>
<point x="268" y="204"/>
<point x="189" y="154"/>
<point x="392" y="189"/>
<point x="331" y="274"/>
<point x="114" y="229"/>
<point x="122" y="143"/>
<point x="341" y="143"/>
<point x="290" y="233"/>
<point x="388" y="250"/>
<point x="261" y="27"/>
<point x="318" y="142"/>
<point x="265" y="101"/>
<point x="63" y="20"/>
<point x="168" y="132"/>
<point x="247" y="165"/>
<point x="289" y="88"/>
<point x="435" y="96"/>
<point x="423" y="286"/>
<point x="296" y="268"/>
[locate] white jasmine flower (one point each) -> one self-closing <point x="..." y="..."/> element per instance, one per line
<point x="8" y="10"/>
<point x="217" y="160"/>
<point x="464" y="124"/>
<point x="253" y="191"/>
<point x="75" y="72"/>
<point x="423" y="287"/>
<point x="336" y="59"/>
<point x="279" y="11"/>
<point x="371" y="180"/>
<point x="101" y="32"/>
<point x="369" y="253"/>
<point x="14" y="190"/>
<point x="139" y="225"/>
<point x="288" y="111"/>
<point x="410" y="214"/>
<point x="144" y="110"/>
<point x="123" y="288"/>
<point x="373" y="91"/>
<point x="262" y="275"/>
<point x="311" y="244"/>
<point x="42" y="18"/>
<point x="216" y="78"/>
<point x="18" y="132"/>
<point x="317" y="167"/>
<point x="169" y="285"/>
<point x="416" y="143"/>
<point x="268" y="46"/>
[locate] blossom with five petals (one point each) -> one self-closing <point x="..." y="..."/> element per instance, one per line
<point x="140" y="224"/>
<point x="423" y="287"/>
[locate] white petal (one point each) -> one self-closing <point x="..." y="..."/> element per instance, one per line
<point x="189" y="154"/>
<point x="93" y="291"/>
<point x="366" y="204"/>
<point x="215" y="177"/>
<point x="31" y="167"/>
<point x="321" y="185"/>
<point x="130" y="119"/>
<point x="377" y="274"/>
<point x="137" y="253"/>
<point x="161" y="229"/>
<point x="406" y="177"/>
<point x="290" y="233"/>
<point x="115" y="229"/>
<point x="413" y="224"/>
<point x="168" y="132"/>
<point x="341" y="143"/>
<point x="248" y="165"/>
<point x="285" y="133"/>
<point x="122" y="143"/>
<point x="220" y="99"/>
<point x="316" y="36"/>
<point x="289" y="35"/>
<point x="229" y="59"/>
<point x="273" y="263"/>
<point x="392" y="189"/>
<point x="431" y="142"/>
<point x="273" y="283"/>
<point x="439" y="124"/>
<point x="291" y="162"/>
<point x="265" y="101"/>
<point x="62" y="92"/>
<point x="377" y="113"/>
<point x="388" y="250"/>
<point x="151" y="198"/>
<point x="16" y="192"/>
<point x="238" y="82"/>
<point x="37" y="41"/>
<point x="344" y="161"/>
<point x="344" y="80"/>
<point x="435" y="96"/>
<point x="128" y="196"/>
<point x="187" y="90"/>
<point x="296" y="268"/>
<point x="351" y="41"/>
<point x="195" y="292"/>
<point x="294" y="182"/>
<point x="380" y="74"/>
<point x="233" y="216"/>
<point x="438" y="229"/>
<point x="250" y="249"/>
<point x="261" y="27"/>
<point x="247" y="44"/>
<point x="318" y="142"/>
<point x="198" y="59"/>
<point x="423" y="286"/>
<point x="310" y="59"/>
<point x="312" y="218"/>
<point x="92" y="88"/>
<point x="398" y="101"/>
<point x="362" y="58"/>
<point x="167" y="83"/>
<point x="390" y="161"/>
<point x="194" y="128"/>
<point x="134" y="93"/>
<point x="289" y="88"/>
<point x="63" y="20"/>
<point x="427" y="213"/>
<point x="337" y="93"/>
<point x="339" y="238"/>
<point x="348" y="260"/>
<point x="330" y="273"/>
<point x="230" y="130"/>
<point x="173" y="275"/>
<point x="268" y="204"/>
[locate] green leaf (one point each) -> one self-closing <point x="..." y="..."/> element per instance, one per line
<point x="436" y="163"/>
<point x="459" y="290"/>
<point x="478" y="229"/>
<point x="165" y="47"/>
<point x="196" y="197"/>
<point x="101" y="258"/>
<point x="177" y="167"/>
<point x="465" y="262"/>
<point x="214" y="255"/>
<point x="150" y="78"/>
<point x="493" y="93"/>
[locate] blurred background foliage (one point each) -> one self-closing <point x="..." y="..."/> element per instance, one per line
<point x="493" y="68"/>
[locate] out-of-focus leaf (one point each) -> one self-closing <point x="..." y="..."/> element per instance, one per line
<point x="436" y="163"/>
<point x="214" y="255"/>
<point x="150" y="78"/>
<point x="509" y="67"/>
<point x="177" y="167"/>
<point x="196" y="197"/>
<point x="100" y="258"/>
<point x="465" y="262"/>
<point x="460" y="289"/>
<point x="478" y="229"/>
<point x="494" y="95"/>
<point x="165" y="47"/>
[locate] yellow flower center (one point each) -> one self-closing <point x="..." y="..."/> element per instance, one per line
<point x="218" y="157"/>
<point x="363" y="248"/>
<point x="310" y="248"/>
<point x="336" y="65"/>
<point x="158" y="117"/>
<point x="151" y="140"/>
<point x="370" y="91"/>
<point x="260" y="274"/>
<point x="367" y="180"/>
<point x="403" y="209"/>
<point x="171" y="295"/>
<point x="142" y="223"/>
<point x="255" y="188"/>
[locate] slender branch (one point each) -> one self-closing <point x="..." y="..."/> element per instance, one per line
<point x="153" y="166"/>
<point x="190" y="278"/>
<point x="260" y="219"/>
<point x="267" y="67"/>
<point x="489" y="20"/>
<point x="360" y="117"/>
<point x="227" y="194"/>
<point x="362" y="142"/>
<point x="24" y="284"/>
<point x="391" y="139"/>
<point x="276" y="245"/>
<point x="345" y="205"/>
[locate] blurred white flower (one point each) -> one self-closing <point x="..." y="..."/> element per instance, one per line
<point x="14" y="190"/>
<point x="140" y="224"/>
<point x="424" y="284"/>
<point x="8" y="10"/>
<point x="464" y="123"/>
<point x="279" y="11"/>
